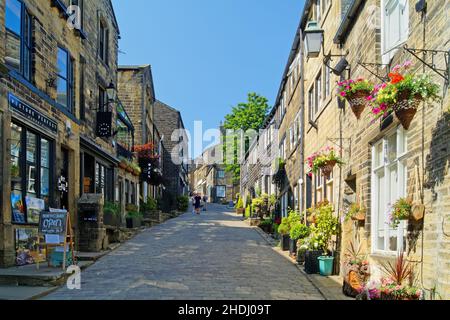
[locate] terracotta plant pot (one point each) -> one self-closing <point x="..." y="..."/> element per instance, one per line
<point x="358" y="102"/>
<point x="327" y="169"/>
<point x="406" y="109"/>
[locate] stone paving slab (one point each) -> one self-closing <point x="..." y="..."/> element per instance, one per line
<point x="24" y="293"/>
<point x="214" y="256"/>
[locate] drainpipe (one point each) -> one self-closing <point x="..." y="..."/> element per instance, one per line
<point x="302" y="120"/>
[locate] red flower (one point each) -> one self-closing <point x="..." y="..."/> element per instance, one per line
<point x="396" y="78"/>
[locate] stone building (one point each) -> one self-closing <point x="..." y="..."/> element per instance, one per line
<point x="381" y="157"/>
<point x="209" y="177"/>
<point x="137" y="93"/>
<point x="57" y="121"/>
<point x="175" y="153"/>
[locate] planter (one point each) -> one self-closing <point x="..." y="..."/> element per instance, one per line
<point x="129" y="170"/>
<point x="111" y="220"/>
<point x="136" y="173"/>
<point x="292" y="247"/>
<point x="358" y="102"/>
<point x="406" y="109"/>
<point x="267" y="228"/>
<point x="301" y="257"/>
<point x="312" y="261"/>
<point x="326" y="265"/>
<point x="123" y="165"/>
<point x="240" y="211"/>
<point x="133" y="223"/>
<point x="352" y="285"/>
<point x="285" y="239"/>
<point x="328" y="168"/>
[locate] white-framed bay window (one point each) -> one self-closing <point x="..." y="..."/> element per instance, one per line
<point x="394" y="26"/>
<point x="389" y="183"/>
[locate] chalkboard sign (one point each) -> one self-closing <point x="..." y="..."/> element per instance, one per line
<point x="53" y="223"/>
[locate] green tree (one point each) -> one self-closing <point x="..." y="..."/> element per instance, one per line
<point x="245" y="117"/>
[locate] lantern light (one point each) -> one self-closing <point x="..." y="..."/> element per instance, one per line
<point x="313" y="39"/>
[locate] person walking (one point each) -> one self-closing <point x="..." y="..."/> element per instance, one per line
<point x="197" y="203"/>
<point x="205" y="201"/>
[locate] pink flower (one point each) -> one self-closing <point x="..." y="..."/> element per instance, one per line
<point x="396" y="68"/>
<point x="369" y="98"/>
<point x="343" y="94"/>
<point x="407" y="64"/>
<point x="376" y="111"/>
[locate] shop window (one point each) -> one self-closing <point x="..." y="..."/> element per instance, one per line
<point x="395" y="26"/>
<point x="104" y="181"/>
<point x="221" y="174"/>
<point x="19" y="40"/>
<point x="389" y="179"/>
<point x="31" y="156"/>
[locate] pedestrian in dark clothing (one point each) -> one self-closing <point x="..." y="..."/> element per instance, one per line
<point x="197" y="203"/>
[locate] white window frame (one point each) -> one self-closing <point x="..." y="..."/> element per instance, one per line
<point x="311" y="102"/>
<point x="224" y="188"/>
<point x="388" y="49"/>
<point x="401" y="188"/>
<point x="318" y="94"/>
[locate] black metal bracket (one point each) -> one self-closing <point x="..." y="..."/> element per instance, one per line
<point x="444" y="73"/>
<point x="370" y="65"/>
<point x="327" y="59"/>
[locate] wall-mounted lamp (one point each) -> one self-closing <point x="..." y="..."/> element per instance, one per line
<point x="313" y="39"/>
<point x="111" y="92"/>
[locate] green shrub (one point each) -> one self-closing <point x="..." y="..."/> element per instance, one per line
<point x="248" y="212"/>
<point x="283" y="229"/>
<point x="150" y="205"/>
<point x="183" y="203"/>
<point x="266" y="222"/>
<point x="134" y="214"/>
<point x="299" y="231"/>
<point x="111" y="208"/>
<point x="240" y="204"/>
<point x="327" y="226"/>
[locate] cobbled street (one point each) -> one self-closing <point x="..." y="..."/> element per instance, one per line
<point x="212" y="256"/>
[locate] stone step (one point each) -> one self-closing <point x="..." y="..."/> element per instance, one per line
<point x="30" y="276"/>
<point x="24" y="293"/>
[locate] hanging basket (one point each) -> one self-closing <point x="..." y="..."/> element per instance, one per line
<point x="360" y="216"/>
<point x="358" y="102"/>
<point x="406" y="109"/>
<point x="328" y="168"/>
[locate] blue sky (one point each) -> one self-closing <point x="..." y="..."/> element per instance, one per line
<point x="206" y="55"/>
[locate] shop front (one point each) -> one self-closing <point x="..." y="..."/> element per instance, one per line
<point x="32" y="183"/>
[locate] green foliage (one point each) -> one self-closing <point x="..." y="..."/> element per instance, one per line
<point x="248" y="115"/>
<point x="287" y="223"/>
<point x="248" y="212"/>
<point x="111" y="208"/>
<point x="266" y="222"/>
<point x="401" y="210"/>
<point x="354" y="209"/>
<point x="240" y="203"/>
<point x="320" y="159"/>
<point x="134" y="214"/>
<point x="245" y="116"/>
<point x="327" y="225"/>
<point x="299" y="231"/>
<point x="283" y="229"/>
<point x="347" y="88"/>
<point x="182" y="203"/>
<point x="257" y="203"/>
<point x="150" y="205"/>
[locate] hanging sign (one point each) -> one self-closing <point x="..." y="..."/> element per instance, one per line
<point x="104" y="124"/>
<point x="63" y="186"/>
<point x="32" y="114"/>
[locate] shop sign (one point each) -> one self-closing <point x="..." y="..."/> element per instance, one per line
<point x="63" y="186"/>
<point x="53" y="223"/>
<point x="32" y="114"/>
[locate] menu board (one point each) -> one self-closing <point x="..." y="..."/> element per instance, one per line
<point x="53" y="223"/>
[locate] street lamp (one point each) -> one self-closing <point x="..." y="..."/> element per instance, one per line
<point x="111" y="92"/>
<point x="313" y="39"/>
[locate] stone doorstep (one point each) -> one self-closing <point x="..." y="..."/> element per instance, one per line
<point x="29" y="276"/>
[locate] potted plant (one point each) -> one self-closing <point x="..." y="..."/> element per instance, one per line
<point x="266" y="225"/>
<point x="133" y="219"/>
<point x="15" y="171"/>
<point x="356" y="270"/>
<point x="403" y="94"/>
<point x="111" y="214"/>
<point x="299" y="231"/>
<point x="301" y="252"/>
<point x="324" y="161"/>
<point x="327" y="226"/>
<point x="399" y="283"/>
<point x="283" y="230"/>
<point x="356" y="93"/>
<point x="240" y="210"/>
<point x="356" y="212"/>
<point x="401" y="210"/>
<point x="123" y="164"/>
<point x="257" y="205"/>
<point x="248" y="211"/>
<point x="136" y="169"/>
